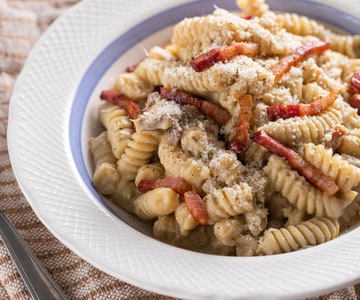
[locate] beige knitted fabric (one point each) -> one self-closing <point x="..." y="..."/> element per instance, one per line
<point x="21" y="24"/>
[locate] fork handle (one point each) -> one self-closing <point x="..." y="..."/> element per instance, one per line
<point x="38" y="281"/>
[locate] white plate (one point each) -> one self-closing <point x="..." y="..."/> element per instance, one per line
<point x="52" y="114"/>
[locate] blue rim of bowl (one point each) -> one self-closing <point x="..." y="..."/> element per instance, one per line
<point x="150" y="26"/>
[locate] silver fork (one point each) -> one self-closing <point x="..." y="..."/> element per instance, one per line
<point x="38" y="281"/>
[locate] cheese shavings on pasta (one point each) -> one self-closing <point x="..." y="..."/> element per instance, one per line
<point x="240" y="136"/>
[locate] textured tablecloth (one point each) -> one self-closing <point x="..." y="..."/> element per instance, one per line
<point x="21" y="24"/>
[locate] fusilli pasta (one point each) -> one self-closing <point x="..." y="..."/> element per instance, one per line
<point x="244" y="135"/>
<point x="180" y="163"/>
<point x="105" y="176"/>
<point x="155" y="203"/>
<point x="138" y="152"/>
<point x="301" y="235"/>
<point x="118" y="125"/>
<point x="302" y="194"/>
<point x="303" y="25"/>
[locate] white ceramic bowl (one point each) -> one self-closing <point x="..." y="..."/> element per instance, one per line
<point x="52" y="115"/>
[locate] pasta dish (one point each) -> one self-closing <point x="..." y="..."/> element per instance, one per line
<point x="239" y="136"/>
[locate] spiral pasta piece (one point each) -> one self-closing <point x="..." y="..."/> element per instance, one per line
<point x="253" y="7"/>
<point x="138" y="152"/>
<point x="290" y="87"/>
<point x="314" y="73"/>
<point x="302" y="194"/>
<point x="305" y="129"/>
<point x="344" y="174"/>
<point x="105" y="176"/>
<point x="350" y="145"/>
<point x="194" y="36"/>
<point x="158" y="202"/>
<point x="346" y="44"/>
<point x="152" y="70"/>
<point x="228" y="201"/>
<point x="185" y="219"/>
<point x="151" y="171"/>
<point x="133" y="86"/>
<point x="220" y="77"/>
<point x="334" y="64"/>
<point x="312" y="91"/>
<point x="278" y="95"/>
<point x="352" y="66"/>
<point x="182" y="164"/>
<point x="226" y="168"/>
<point x="303" y="25"/>
<point x="204" y="31"/>
<point x="351" y="119"/>
<point x="162" y="53"/>
<point x="217" y="78"/>
<point x="119" y="127"/>
<point x="308" y="233"/>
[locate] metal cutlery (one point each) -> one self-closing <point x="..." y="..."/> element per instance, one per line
<point x="38" y="281"/>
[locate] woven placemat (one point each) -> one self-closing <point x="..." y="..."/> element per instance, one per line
<point x="21" y="24"/>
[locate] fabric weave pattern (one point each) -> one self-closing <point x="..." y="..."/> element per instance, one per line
<point x="22" y="22"/>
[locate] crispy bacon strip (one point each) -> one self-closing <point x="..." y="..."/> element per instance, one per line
<point x="337" y="135"/>
<point x="246" y="17"/>
<point x="242" y="130"/>
<point x="132" y="108"/>
<point x="196" y="207"/>
<point x="354" y="87"/>
<point x="276" y="112"/>
<point x="220" y="115"/>
<point x="131" y="69"/>
<point x="309" y="171"/>
<point x="355" y="102"/>
<point x="177" y="184"/>
<point x="354" y="90"/>
<point x="284" y="64"/>
<point x="215" y="55"/>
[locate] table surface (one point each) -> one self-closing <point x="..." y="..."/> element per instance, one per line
<point x="22" y="22"/>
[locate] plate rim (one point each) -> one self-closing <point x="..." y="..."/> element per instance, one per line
<point x="53" y="30"/>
